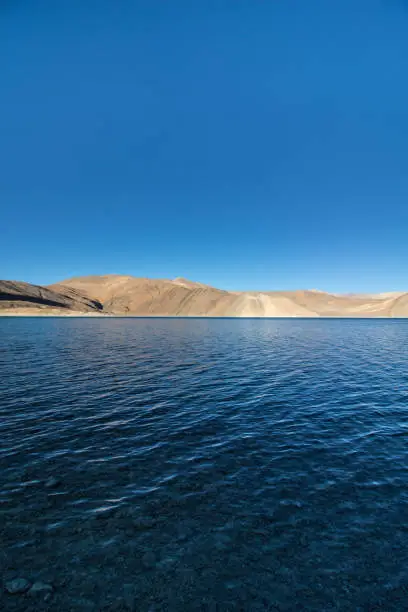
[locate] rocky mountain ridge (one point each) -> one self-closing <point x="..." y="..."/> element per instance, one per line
<point x="128" y="295"/>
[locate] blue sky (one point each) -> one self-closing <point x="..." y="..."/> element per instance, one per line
<point x="245" y="144"/>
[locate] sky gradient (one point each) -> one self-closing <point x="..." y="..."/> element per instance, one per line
<point x="244" y="144"/>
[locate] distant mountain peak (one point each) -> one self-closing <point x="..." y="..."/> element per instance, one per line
<point x="187" y="283"/>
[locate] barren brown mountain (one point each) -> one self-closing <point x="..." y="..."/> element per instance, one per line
<point x="127" y="295"/>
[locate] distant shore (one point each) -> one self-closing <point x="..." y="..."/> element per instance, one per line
<point x="92" y="315"/>
<point x="49" y="313"/>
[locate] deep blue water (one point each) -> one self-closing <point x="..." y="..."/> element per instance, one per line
<point x="205" y="464"/>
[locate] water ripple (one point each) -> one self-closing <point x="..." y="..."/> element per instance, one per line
<point x="175" y="464"/>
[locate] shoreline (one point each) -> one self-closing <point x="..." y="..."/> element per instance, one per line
<point x="87" y="315"/>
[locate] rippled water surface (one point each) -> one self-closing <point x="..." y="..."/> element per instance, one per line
<point x="202" y="464"/>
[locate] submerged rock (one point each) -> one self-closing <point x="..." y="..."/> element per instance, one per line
<point x="17" y="586"/>
<point x="40" y="588"/>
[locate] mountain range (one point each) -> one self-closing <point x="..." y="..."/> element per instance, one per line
<point x="115" y="294"/>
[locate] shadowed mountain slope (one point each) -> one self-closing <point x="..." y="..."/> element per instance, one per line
<point x="16" y="294"/>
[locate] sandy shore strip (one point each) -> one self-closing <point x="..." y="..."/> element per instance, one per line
<point x="39" y="312"/>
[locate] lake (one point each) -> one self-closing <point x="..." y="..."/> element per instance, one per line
<point x="204" y="464"/>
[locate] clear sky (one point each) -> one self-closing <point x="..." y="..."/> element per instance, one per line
<point x="243" y="143"/>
